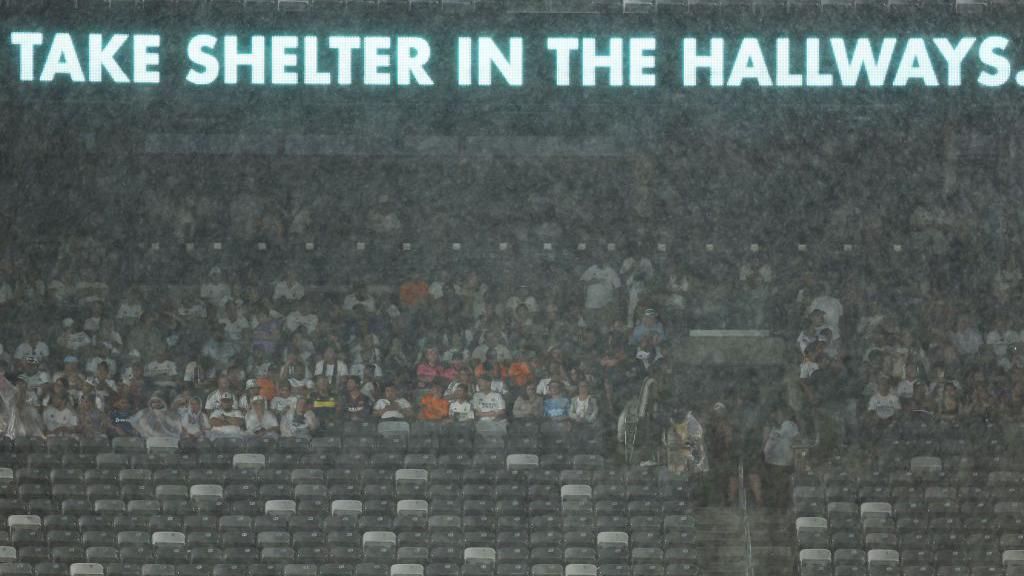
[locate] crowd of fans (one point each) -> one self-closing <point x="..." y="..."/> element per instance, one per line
<point x="227" y="360"/>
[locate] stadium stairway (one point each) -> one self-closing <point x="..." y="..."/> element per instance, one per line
<point x="721" y="536"/>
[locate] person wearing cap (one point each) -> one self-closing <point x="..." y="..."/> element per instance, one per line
<point x="226" y="421"/>
<point x="213" y="401"/>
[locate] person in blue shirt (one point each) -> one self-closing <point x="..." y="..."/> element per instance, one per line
<point x="556" y="406"/>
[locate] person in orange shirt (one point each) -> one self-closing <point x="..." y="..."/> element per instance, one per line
<point x="433" y="406"/>
<point x="413" y="292"/>
<point x="519" y="372"/>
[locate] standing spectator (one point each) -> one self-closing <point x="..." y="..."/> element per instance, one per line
<point x="601" y="284"/>
<point x="776" y="474"/>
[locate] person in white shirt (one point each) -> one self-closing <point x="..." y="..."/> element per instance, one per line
<point x="284" y="401"/>
<point x="59" y="418"/>
<point x="460" y="409"/>
<point x="300" y="318"/>
<point x="905" y="389"/>
<point x="583" y="407"/>
<point x="522" y="297"/>
<point x="215" y="290"/>
<point x="214" y="400"/>
<point x="331" y="367"/>
<point x="162" y="372"/>
<point x="259" y="421"/>
<point x="299" y="421"/>
<point x="831" y="307"/>
<point x="360" y="297"/>
<point x="391" y="407"/>
<point x="194" y="422"/>
<point x="226" y="421"/>
<point x="488" y="405"/>
<point x="601" y="284"/>
<point x="884" y="404"/>
<point x="235" y="325"/>
<point x="289" y="289"/>
<point x="777" y="467"/>
<point x="32" y="347"/>
<point x="967" y="338"/>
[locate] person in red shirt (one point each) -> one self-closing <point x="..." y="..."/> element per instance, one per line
<point x="413" y="292"/>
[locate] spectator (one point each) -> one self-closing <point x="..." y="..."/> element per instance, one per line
<point x="235" y="326"/>
<point x="528" y="406"/>
<point x="299" y="421"/>
<point x="948" y="406"/>
<point x="883" y="408"/>
<point x="556" y="406"/>
<point x="163" y="372"/>
<point x="121" y="416"/>
<point x="360" y="297"/>
<point x="601" y="284"/>
<point x="487" y="405"/>
<point x="684" y="445"/>
<point x="59" y="418"/>
<point x="258" y="420"/>
<point x="156" y="420"/>
<point x="226" y="421"/>
<point x="357" y="405"/>
<point x="24" y="420"/>
<point x="213" y="401"/>
<point x="460" y="409"/>
<point x="326" y="406"/>
<point x="433" y="405"/>
<point x="283" y="400"/>
<point x="296" y="373"/>
<point x="194" y="422"/>
<point x="583" y="408"/>
<point x="33" y="347"/>
<point x="92" y="421"/>
<point x="649" y="332"/>
<point x="431" y="368"/>
<point x="777" y="470"/>
<point x="391" y="406"/>
<point x="289" y="289"/>
<point x="331" y="367"/>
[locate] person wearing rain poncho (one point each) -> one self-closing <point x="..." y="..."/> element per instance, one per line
<point x="21" y="418"/>
<point x="684" y="445"/>
<point x="156" y="421"/>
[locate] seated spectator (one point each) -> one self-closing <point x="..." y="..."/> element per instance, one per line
<point x="528" y="406"/>
<point x="433" y="405"/>
<point x="299" y="421"/>
<point x="121" y="416"/>
<point x="331" y="367"/>
<point x="289" y="289"/>
<point x="357" y="405"/>
<point x="463" y="376"/>
<point x="488" y="405"/>
<point x="259" y="421"/>
<point x="583" y="407"/>
<point x="33" y="347"/>
<point x="92" y="421"/>
<point x="905" y="389"/>
<point x="325" y="402"/>
<point x="460" y="409"/>
<point x="359" y="297"/>
<point x="884" y="404"/>
<point x="431" y="368"/>
<point x="226" y="421"/>
<point x="294" y="371"/>
<point x="262" y="386"/>
<point x="982" y="407"/>
<point x="194" y="422"/>
<point x="948" y="406"/>
<point x="556" y="406"/>
<point x="648" y="331"/>
<point x="162" y="372"/>
<point x="391" y="406"/>
<point x="156" y="420"/>
<point x="214" y="400"/>
<point x="283" y="400"/>
<point x="59" y="418"/>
